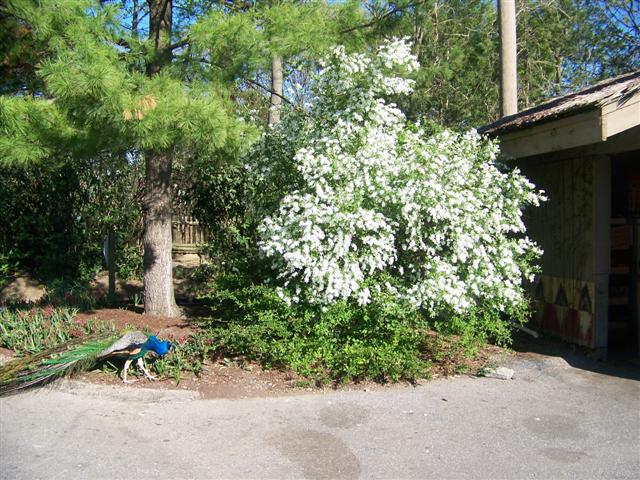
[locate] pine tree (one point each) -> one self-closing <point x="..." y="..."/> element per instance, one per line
<point x="151" y="78"/>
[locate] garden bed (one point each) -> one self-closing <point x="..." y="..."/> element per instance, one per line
<point x="235" y="377"/>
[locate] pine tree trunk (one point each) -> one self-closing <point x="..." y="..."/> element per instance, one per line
<point x="276" y="90"/>
<point x="158" y="268"/>
<point x="159" y="298"/>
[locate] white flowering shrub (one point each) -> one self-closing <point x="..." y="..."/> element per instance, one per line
<point x="374" y="198"/>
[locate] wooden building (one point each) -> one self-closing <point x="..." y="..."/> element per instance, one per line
<point x="583" y="149"/>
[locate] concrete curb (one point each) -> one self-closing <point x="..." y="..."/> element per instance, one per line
<point x="125" y="392"/>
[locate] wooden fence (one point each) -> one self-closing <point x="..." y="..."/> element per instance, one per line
<point x="186" y="234"/>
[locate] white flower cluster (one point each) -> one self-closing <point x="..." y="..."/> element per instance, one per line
<point x="378" y="195"/>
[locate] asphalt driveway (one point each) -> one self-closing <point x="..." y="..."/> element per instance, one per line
<point x="553" y="420"/>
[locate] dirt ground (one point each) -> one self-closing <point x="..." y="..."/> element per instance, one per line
<point x="161" y="326"/>
<point x="235" y="377"/>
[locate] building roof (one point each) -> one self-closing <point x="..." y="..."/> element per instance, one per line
<point x="602" y="93"/>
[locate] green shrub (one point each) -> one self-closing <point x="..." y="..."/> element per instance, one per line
<point x="478" y="327"/>
<point x="57" y="214"/>
<point x="75" y="293"/>
<point x="344" y="341"/>
<point x="129" y="262"/>
<point x="188" y="355"/>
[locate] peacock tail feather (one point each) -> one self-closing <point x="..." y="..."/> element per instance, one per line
<point x="64" y="359"/>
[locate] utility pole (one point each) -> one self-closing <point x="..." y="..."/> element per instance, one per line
<point x="508" y="58"/>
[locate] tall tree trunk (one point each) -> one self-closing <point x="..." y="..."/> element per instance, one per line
<point x="158" y="266"/>
<point x="134" y="18"/>
<point x="159" y="298"/>
<point x="276" y="90"/>
<point x="160" y="22"/>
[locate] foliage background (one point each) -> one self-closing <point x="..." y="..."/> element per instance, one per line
<point x="56" y="216"/>
<point x="563" y="45"/>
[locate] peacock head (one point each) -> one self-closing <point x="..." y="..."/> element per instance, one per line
<point x="160" y="347"/>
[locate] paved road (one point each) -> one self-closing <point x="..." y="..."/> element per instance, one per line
<point x="551" y="421"/>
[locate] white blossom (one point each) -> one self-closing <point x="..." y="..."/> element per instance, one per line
<point x="375" y="195"/>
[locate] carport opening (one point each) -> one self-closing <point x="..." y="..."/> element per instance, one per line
<point x="624" y="339"/>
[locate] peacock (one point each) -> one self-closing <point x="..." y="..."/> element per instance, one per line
<point x="81" y="354"/>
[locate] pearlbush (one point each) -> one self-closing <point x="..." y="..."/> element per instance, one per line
<point x="374" y="198"/>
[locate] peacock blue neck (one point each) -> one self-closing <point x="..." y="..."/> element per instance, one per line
<point x="153" y="344"/>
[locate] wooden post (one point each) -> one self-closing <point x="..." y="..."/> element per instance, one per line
<point x="111" y="263"/>
<point x="508" y="58"/>
<point x="634" y="304"/>
<point x="601" y="245"/>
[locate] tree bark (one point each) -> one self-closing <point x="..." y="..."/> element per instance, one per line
<point x="159" y="297"/>
<point x="135" y="19"/>
<point x="276" y="90"/>
<point x="160" y="24"/>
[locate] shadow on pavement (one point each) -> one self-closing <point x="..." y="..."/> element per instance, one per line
<point x="576" y="356"/>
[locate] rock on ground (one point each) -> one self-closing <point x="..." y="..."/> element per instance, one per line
<point x="502" y="373"/>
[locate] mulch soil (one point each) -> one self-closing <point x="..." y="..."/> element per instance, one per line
<point x="161" y="326"/>
<point x="235" y="377"/>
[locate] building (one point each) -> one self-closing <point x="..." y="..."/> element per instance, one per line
<point x="583" y="149"/>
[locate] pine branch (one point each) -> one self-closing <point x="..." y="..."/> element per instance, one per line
<point x="255" y="83"/>
<point x="181" y="43"/>
<point x="393" y="11"/>
<point x="268" y="90"/>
